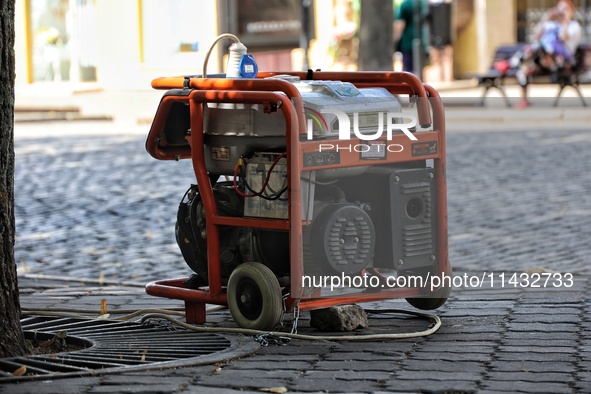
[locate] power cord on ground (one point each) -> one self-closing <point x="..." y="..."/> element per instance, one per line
<point x="167" y="315"/>
<point x="337" y="338"/>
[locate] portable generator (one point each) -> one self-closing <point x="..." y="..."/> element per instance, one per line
<point x="303" y="180"/>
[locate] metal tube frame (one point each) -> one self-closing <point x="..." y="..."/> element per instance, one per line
<point x="277" y="93"/>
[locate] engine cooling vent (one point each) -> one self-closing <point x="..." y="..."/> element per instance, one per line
<point x="414" y="227"/>
<point x="342" y="239"/>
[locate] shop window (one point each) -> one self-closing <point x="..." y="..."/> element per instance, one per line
<point x="63" y="40"/>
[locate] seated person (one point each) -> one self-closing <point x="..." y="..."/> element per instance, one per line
<point x="557" y="39"/>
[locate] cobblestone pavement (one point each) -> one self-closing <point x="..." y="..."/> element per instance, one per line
<point x="512" y="340"/>
<point x="90" y="203"/>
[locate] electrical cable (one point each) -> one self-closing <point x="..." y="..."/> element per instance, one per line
<point x="239" y="165"/>
<point x="166" y="314"/>
<point x="218" y="38"/>
<point x="336" y="338"/>
<point x="128" y="313"/>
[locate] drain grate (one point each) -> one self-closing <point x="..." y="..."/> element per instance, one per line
<point x="110" y="346"/>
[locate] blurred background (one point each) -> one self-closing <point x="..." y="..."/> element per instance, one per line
<point x="114" y="44"/>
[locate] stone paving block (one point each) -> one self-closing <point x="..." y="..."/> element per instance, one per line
<point x="544" y="310"/>
<point x="443" y="366"/>
<point x="438" y="375"/>
<point x="63" y="386"/>
<point x="456" y="347"/>
<point x="585" y="366"/>
<point x="526" y="387"/>
<point x="380" y="348"/>
<point x="531" y="366"/>
<point x="348" y="375"/>
<point x="484" y="328"/>
<point x="537" y="343"/>
<point x="237" y="374"/>
<point x="467" y="337"/>
<point x="463" y="303"/>
<point x="582" y="387"/>
<point x="302" y="347"/>
<point x="428" y="355"/>
<point x="585" y="355"/>
<point x="435" y="386"/>
<point x="542" y="327"/>
<point x="543" y="302"/>
<point x="267" y="355"/>
<point x="249" y="383"/>
<point x="186" y="372"/>
<point x="474" y="311"/>
<point x="364" y="356"/>
<point x="541" y="357"/>
<point x="329" y="365"/>
<point x="333" y="385"/>
<point x="262" y="364"/>
<point x="539" y="348"/>
<point x="145" y="379"/>
<point x="585" y="331"/>
<point x="217" y="390"/>
<point x="132" y="388"/>
<point x="533" y="377"/>
<point x="550" y="318"/>
<point x="543" y="336"/>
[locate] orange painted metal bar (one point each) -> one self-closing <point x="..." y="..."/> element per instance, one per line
<point x="195" y="312"/>
<point x="237" y="84"/>
<point x="271" y="224"/>
<point x="440" y="165"/>
<point x="173" y="288"/>
<point x="349" y="157"/>
<point x="206" y="192"/>
<point x="152" y="145"/>
<point x="326" y="302"/>
<point x="390" y="79"/>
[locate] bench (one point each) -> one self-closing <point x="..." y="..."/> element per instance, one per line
<point x="495" y="78"/>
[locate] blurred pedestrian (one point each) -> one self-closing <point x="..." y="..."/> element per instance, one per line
<point x="404" y="31"/>
<point x="556" y="40"/>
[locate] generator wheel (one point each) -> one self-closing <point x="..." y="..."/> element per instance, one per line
<point x="426" y="304"/>
<point x="431" y="301"/>
<point x="254" y="297"/>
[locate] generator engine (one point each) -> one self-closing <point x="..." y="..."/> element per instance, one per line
<point x="340" y="239"/>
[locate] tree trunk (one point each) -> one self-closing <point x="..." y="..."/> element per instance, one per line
<point x="11" y="335"/>
<point x="376" y="41"/>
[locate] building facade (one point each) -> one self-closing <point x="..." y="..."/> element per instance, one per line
<point x="127" y="43"/>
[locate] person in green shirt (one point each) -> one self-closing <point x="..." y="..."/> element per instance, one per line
<point x="404" y="30"/>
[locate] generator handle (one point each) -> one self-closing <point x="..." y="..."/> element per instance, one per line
<point x="397" y="82"/>
<point x="237" y="84"/>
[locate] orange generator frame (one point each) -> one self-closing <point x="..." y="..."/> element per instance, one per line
<point x="273" y="94"/>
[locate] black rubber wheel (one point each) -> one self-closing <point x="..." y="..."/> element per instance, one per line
<point x="433" y="300"/>
<point x="254" y="297"/>
<point x="427" y="303"/>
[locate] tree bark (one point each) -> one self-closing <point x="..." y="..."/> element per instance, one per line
<point x="376" y="41"/>
<point x="11" y="335"/>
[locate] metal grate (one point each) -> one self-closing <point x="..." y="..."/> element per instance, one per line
<point x="108" y="346"/>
